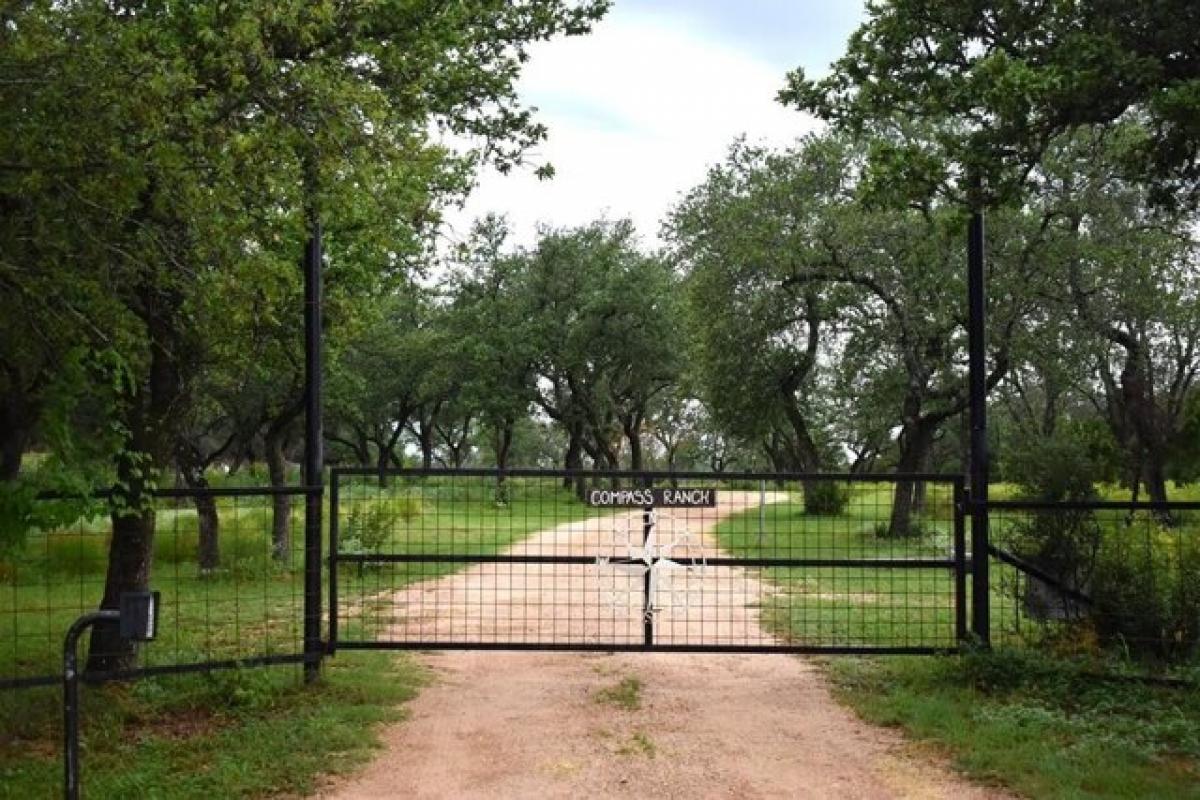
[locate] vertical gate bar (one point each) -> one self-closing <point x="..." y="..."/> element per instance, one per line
<point x="331" y="648"/>
<point x="762" y="511"/>
<point x="313" y="457"/>
<point x="960" y="562"/>
<point x="976" y="346"/>
<point x="647" y="581"/>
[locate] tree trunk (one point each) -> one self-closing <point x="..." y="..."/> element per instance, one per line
<point x="131" y="548"/>
<point x="573" y="459"/>
<point x="208" y="551"/>
<point x="130" y="554"/>
<point x="425" y="436"/>
<point x="281" y="522"/>
<point x="503" y="443"/>
<point x="14" y="436"/>
<point x="192" y="464"/>
<point x="362" y="447"/>
<point x="150" y="415"/>
<point x="631" y="424"/>
<point x="1147" y="425"/>
<point x="916" y="440"/>
<point x="382" y="459"/>
<point x="12" y="447"/>
<point x="1155" y="479"/>
<point x="17" y="415"/>
<point x="209" y="546"/>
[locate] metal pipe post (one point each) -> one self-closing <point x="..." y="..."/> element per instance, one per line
<point x="976" y="347"/>
<point x="71" y="696"/>
<point x="334" y="487"/>
<point x="313" y="456"/>
<point x="648" y="579"/>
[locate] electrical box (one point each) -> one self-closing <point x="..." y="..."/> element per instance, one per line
<point x="139" y="616"/>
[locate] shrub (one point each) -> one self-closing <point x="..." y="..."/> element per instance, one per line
<point x="1146" y="599"/>
<point x="825" y="498"/>
<point x="369" y="525"/>
<point x="365" y="530"/>
<point x="1063" y="543"/>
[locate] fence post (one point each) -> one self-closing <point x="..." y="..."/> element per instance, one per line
<point x="648" y="522"/>
<point x="976" y="346"/>
<point x="313" y="456"/>
<point x="960" y="561"/>
<point x="334" y="502"/>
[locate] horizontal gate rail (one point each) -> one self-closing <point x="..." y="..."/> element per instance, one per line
<point x="463" y="558"/>
<point x="592" y="647"/>
<point x="654" y="475"/>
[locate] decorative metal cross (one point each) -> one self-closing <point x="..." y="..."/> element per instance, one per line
<point x="653" y="559"/>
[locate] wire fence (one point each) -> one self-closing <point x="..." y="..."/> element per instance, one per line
<point x="1088" y="577"/>
<point x="229" y="564"/>
<point x="561" y="560"/>
<point x="553" y="559"/>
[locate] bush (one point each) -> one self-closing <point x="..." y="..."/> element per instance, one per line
<point x="366" y="529"/>
<point x="1146" y="599"/>
<point x="1062" y="542"/>
<point x="825" y="498"/>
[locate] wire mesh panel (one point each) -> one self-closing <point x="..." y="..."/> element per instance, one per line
<point x="1097" y="575"/>
<point x="613" y="561"/>
<point x="228" y="563"/>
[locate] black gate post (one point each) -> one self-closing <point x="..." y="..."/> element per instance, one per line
<point x="976" y="344"/>
<point x="313" y="457"/>
<point x="960" y="562"/>
<point x="334" y="490"/>
<point x="648" y="523"/>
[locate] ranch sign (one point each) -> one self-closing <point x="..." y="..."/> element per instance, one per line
<point x="657" y="498"/>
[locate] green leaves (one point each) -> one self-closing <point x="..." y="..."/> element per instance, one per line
<point x="997" y="82"/>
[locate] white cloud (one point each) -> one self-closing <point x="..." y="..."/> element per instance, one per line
<point x="637" y="111"/>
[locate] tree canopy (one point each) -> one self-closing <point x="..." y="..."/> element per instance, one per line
<point x="999" y="81"/>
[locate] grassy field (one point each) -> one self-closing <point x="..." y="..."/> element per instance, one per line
<point x="839" y="606"/>
<point x="1041" y="726"/>
<point x="249" y="607"/>
<point x="247" y="733"/>
<point x="461" y="516"/>
<point x="240" y="733"/>
<point x="1044" y="723"/>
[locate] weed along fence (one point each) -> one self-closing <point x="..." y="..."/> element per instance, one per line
<point x="1119" y="577"/>
<point x="552" y="559"/>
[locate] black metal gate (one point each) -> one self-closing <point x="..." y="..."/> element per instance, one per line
<point x="647" y="561"/>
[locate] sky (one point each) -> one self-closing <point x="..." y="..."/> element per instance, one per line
<point x="640" y="108"/>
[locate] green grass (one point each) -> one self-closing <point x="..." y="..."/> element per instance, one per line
<point x="1042" y="722"/>
<point x="1043" y="727"/>
<point x="851" y="606"/>
<point x="431" y="517"/>
<point x="251" y="606"/>
<point x="245" y="733"/>
<point x="249" y="733"/>
<point x="638" y="744"/>
<point x="625" y="695"/>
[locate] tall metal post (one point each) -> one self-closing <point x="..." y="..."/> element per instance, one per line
<point x="976" y="346"/>
<point x="313" y="456"/>
<point x="648" y="578"/>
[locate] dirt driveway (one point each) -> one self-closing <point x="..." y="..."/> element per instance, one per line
<point x="541" y="725"/>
